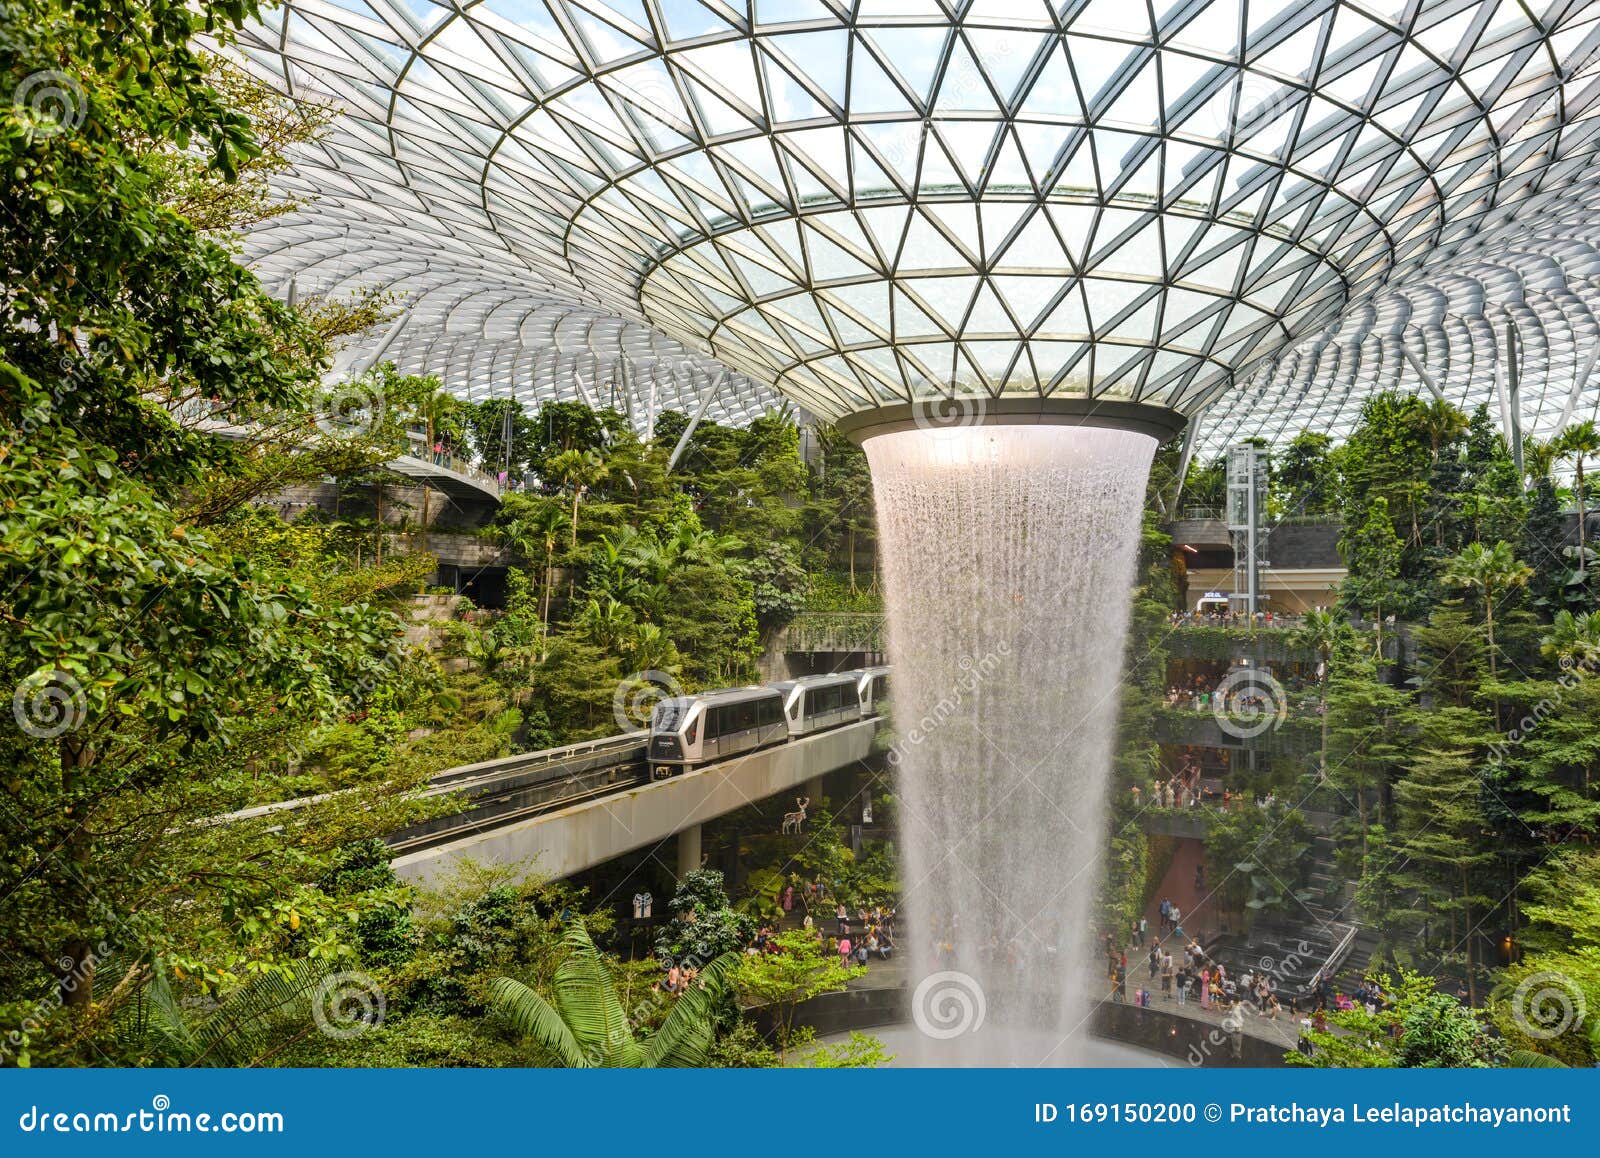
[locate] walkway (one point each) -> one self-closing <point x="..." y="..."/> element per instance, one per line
<point x="1184" y="889"/>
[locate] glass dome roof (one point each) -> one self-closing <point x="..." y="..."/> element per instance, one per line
<point x="874" y="202"/>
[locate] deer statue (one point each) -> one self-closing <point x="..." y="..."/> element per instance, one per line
<point x="795" y="821"/>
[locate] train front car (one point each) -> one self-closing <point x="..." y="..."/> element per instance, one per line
<point x="688" y="731"/>
<point x="872" y="688"/>
<point x="815" y="703"/>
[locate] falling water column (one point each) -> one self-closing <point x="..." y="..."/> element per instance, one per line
<point x="1008" y="556"/>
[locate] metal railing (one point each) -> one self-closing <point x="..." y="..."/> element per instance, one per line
<point x="450" y="461"/>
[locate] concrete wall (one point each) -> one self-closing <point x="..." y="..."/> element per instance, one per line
<point x="402" y="503"/>
<point x="1297" y="547"/>
<point x="559" y="844"/>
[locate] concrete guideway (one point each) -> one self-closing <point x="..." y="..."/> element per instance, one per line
<point x="567" y="841"/>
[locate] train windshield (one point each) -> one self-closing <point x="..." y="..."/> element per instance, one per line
<point x="666" y="716"/>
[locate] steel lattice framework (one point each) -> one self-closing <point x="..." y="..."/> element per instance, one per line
<point x="874" y="202"/>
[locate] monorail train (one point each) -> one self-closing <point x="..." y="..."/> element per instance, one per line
<point x="816" y="703"/>
<point x="688" y="731"/>
<point x="872" y="686"/>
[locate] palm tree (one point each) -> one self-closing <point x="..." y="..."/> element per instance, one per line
<point x="1441" y="422"/>
<point x="1574" y="640"/>
<point x="1539" y="458"/>
<point x="488" y="651"/>
<point x="1488" y="570"/>
<point x="579" y="470"/>
<point x="649" y="649"/>
<point x="605" y="622"/>
<point x="587" y="1026"/>
<point x="1319" y="632"/>
<point x="437" y="410"/>
<point x="1578" y="442"/>
<point x="543" y="528"/>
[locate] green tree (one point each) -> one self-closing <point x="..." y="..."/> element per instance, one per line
<point x="1416" y="1027"/>
<point x="1303" y="472"/>
<point x="1493" y="572"/>
<point x="1579" y="442"/>
<point x="1441" y="829"/>
<point x="440" y="412"/>
<point x="578" y="470"/>
<point x="1372" y="553"/>
<point x="1549" y="1002"/>
<point x="704" y="924"/>
<point x="488" y="422"/>
<point x="1320" y="632"/>
<point x="1361" y="728"/>
<point x="798" y="968"/>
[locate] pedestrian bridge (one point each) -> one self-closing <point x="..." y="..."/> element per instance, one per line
<point x="449" y="474"/>
<point x="573" y="808"/>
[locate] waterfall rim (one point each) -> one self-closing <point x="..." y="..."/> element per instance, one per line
<point x="1159" y="422"/>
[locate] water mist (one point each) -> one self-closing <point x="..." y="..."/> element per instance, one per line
<point x="1008" y="556"/>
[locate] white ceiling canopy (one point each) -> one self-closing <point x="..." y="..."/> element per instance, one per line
<point x="881" y="201"/>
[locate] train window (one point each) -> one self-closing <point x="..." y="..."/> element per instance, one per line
<point x="713" y="723"/>
<point x="771" y="712"/>
<point x="746" y="716"/>
<point x="667" y="715"/>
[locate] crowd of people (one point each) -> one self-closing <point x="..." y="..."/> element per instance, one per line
<point x="1196" y="977"/>
<point x="872" y="930"/>
<point x="1215" y="616"/>
<point x="1185" y="788"/>
<point x="1202" y="692"/>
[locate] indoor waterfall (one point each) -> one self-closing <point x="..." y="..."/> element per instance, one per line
<point x="1008" y="556"/>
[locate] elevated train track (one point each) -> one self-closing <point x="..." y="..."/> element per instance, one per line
<point x="579" y="805"/>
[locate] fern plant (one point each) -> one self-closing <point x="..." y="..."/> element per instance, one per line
<point x="587" y="1027"/>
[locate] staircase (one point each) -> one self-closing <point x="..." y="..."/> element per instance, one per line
<point x="1295" y="945"/>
